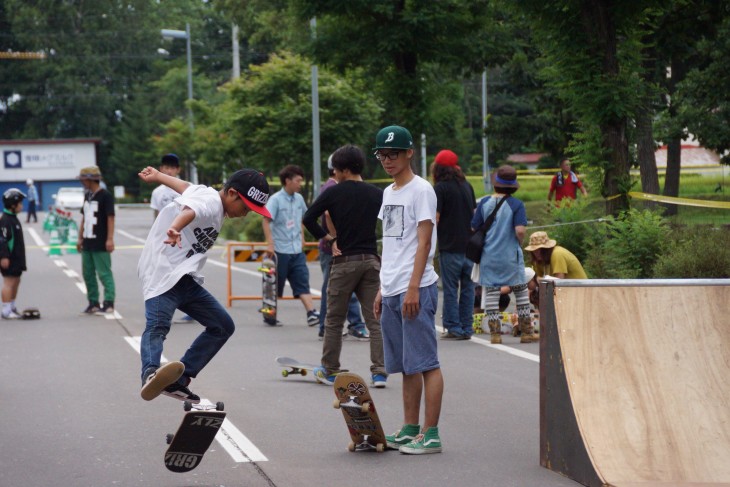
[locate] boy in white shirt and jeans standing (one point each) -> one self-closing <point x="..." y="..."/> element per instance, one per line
<point x="408" y="297"/>
<point x="169" y="269"/>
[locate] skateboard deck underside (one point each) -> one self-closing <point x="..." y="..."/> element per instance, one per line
<point x="193" y="438"/>
<point x="358" y="409"/>
<point x="268" y="293"/>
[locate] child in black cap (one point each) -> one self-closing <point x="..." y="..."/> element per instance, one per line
<point x="169" y="269"/>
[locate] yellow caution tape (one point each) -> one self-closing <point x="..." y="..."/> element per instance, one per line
<point x="678" y="201"/>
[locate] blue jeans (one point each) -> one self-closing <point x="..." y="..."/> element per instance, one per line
<point x="194" y="300"/>
<point x="458" y="293"/>
<point x="354" y="316"/>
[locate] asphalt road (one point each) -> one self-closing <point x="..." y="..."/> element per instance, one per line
<point x="72" y="415"/>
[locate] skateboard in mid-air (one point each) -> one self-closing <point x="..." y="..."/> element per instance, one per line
<point x="294" y="366"/>
<point x="268" y="290"/>
<point x="194" y="436"/>
<point x="357" y="406"/>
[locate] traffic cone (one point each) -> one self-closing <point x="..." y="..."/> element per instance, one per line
<point x="50" y="222"/>
<point x="54" y="244"/>
<point x="72" y="236"/>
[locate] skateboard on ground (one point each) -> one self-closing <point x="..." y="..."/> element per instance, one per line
<point x="31" y="314"/>
<point x="194" y="436"/>
<point x="294" y="366"/>
<point x="268" y="290"/>
<point x="358" y="409"/>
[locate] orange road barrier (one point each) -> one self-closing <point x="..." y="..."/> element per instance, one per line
<point x="254" y="252"/>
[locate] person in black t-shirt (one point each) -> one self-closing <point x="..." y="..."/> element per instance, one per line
<point x="455" y="203"/>
<point x="96" y="242"/>
<point x="353" y="207"/>
<point x="12" y="251"/>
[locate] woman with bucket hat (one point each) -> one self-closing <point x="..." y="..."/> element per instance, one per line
<point x="550" y="259"/>
<point x="502" y="262"/>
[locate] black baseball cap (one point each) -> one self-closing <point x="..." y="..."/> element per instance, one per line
<point x="253" y="188"/>
<point x="170" y="160"/>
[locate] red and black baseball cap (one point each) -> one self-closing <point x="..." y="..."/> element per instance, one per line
<point x="253" y="189"/>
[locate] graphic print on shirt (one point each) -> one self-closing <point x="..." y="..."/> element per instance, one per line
<point x="91" y="213"/>
<point x="393" y="221"/>
<point x="205" y="239"/>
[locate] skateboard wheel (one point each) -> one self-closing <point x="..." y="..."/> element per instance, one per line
<point x="380" y="448"/>
<point x="169" y="438"/>
<point x="188" y="406"/>
<point x="351" y="446"/>
<point x="365" y="407"/>
<point x="285" y="373"/>
<point x="219" y="406"/>
<point x="336" y="404"/>
<point x="303" y="372"/>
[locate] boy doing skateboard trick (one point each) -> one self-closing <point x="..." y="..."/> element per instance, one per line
<point x="169" y="269"/>
<point x="408" y="297"/>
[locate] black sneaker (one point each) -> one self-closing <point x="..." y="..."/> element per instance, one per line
<point x="91" y="310"/>
<point x="107" y="308"/>
<point x="313" y="317"/>
<point x="181" y="393"/>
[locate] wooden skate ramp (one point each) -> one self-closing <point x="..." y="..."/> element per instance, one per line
<point x="635" y="382"/>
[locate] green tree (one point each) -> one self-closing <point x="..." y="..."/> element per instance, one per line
<point x="265" y="122"/>
<point x="591" y="51"/>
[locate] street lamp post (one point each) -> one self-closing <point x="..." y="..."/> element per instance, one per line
<point x="185" y="34"/>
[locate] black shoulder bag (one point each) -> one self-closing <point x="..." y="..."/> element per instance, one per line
<point x="475" y="244"/>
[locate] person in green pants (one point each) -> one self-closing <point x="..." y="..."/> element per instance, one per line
<point x="96" y="242"/>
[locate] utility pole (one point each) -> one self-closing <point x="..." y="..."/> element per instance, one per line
<point x="316" y="152"/>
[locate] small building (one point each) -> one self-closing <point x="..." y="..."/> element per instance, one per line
<point x="50" y="163"/>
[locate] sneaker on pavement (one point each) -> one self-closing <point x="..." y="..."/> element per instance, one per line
<point x="91" y="310"/>
<point x="107" y="308"/>
<point x="12" y="315"/>
<point x="321" y="376"/>
<point x="358" y="333"/>
<point x="428" y="442"/>
<point x="379" y="380"/>
<point x="181" y="392"/>
<point x="156" y="380"/>
<point x="321" y="335"/>
<point x="403" y="436"/>
<point x="313" y="317"/>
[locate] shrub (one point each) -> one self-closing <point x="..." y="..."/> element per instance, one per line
<point x="574" y="236"/>
<point x="628" y="246"/>
<point x="699" y="252"/>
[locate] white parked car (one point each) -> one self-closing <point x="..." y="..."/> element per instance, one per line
<point x="70" y="198"/>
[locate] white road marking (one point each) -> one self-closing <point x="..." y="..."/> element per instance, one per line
<point x="37" y="238"/>
<point x="238" y="446"/>
<point x="502" y="348"/>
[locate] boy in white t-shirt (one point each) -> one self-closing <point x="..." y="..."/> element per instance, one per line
<point x="408" y="297"/>
<point x="169" y="269"/>
<point x="163" y="196"/>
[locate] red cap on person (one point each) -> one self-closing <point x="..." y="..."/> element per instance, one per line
<point x="446" y="158"/>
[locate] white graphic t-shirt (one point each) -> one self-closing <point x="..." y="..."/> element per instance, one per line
<point x="161" y="265"/>
<point x="400" y="213"/>
<point x="162" y="196"/>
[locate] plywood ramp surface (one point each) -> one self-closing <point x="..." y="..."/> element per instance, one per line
<point x="648" y="370"/>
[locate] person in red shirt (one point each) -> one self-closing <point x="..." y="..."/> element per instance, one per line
<point x="565" y="184"/>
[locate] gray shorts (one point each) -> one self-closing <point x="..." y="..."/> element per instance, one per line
<point x="410" y="346"/>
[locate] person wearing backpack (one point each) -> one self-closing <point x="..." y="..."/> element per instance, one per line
<point x="502" y="262"/>
<point x="12" y="251"/>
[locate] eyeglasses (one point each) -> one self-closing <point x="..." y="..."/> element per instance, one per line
<point x="392" y="156"/>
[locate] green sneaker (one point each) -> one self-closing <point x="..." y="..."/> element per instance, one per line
<point x="407" y="433"/>
<point x="424" y="443"/>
